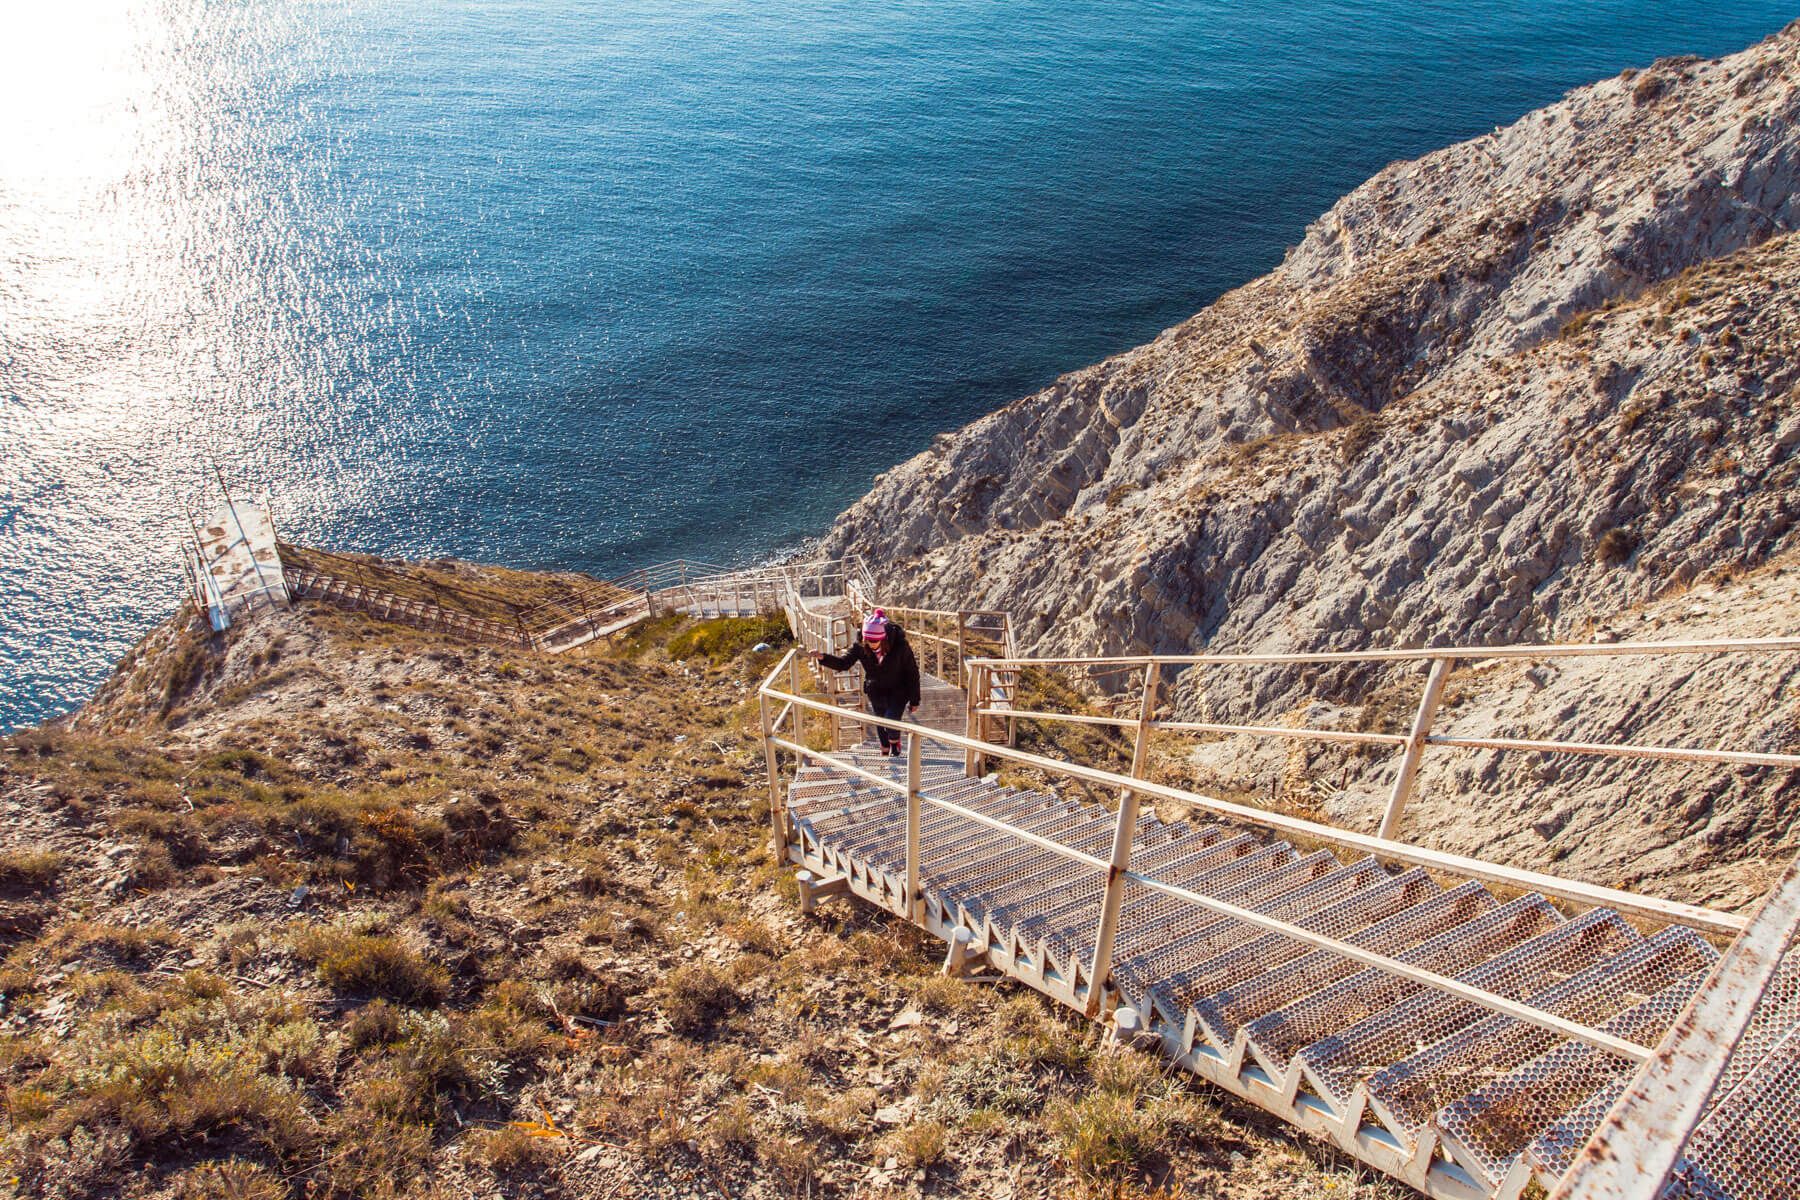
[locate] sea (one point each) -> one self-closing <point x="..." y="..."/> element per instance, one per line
<point x="591" y="284"/>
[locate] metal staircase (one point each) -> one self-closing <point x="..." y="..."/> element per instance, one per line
<point x="1465" y="1093"/>
<point x="1464" y="1027"/>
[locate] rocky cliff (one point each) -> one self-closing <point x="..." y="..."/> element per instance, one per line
<point x="1497" y="394"/>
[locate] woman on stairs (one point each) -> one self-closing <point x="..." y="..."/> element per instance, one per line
<point x="890" y="673"/>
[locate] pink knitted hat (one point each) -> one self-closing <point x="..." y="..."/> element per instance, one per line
<point x="875" y="628"/>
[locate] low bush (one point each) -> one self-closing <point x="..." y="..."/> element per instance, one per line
<point x="1104" y="1136"/>
<point x="30" y="871"/>
<point x="694" y="996"/>
<point x="919" y="1144"/>
<point x="512" y="1150"/>
<point x="371" y="963"/>
<point x="197" y="1068"/>
<point x="729" y="637"/>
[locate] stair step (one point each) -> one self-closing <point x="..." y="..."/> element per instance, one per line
<point x="1195" y="931"/>
<point x="1207" y="942"/>
<point x="1547" y="1108"/>
<point x="1211" y="844"/>
<point x="1413" y="1090"/>
<point x="1028" y="873"/>
<point x="1278" y="1035"/>
<point x="1259" y="957"/>
<point x="1338" y="1062"/>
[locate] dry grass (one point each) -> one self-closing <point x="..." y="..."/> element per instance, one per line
<point x="538" y="901"/>
<point x="372" y="964"/>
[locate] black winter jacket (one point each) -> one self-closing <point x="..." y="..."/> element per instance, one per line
<point x="894" y="676"/>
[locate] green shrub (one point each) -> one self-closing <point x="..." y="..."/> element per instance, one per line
<point x="511" y="1149"/>
<point x="1104" y="1136"/>
<point x="919" y="1144"/>
<point x="729" y="637"/>
<point x="198" y="1068"/>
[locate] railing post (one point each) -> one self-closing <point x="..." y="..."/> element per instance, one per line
<point x="983" y="695"/>
<point x="915" y="906"/>
<point x="834" y="693"/>
<point x="1415" y="745"/>
<point x="778" y="831"/>
<point x="794" y="687"/>
<point x="1124" y="833"/>
<point x="971" y="723"/>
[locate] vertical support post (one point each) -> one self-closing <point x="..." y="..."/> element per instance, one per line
<point x="794" y="687"/>
<point x="956" y="958"/>
<point x="962" y="644"/>
<point x="1124" y="833"/>
<point x="915" y="906"/>
<point x="971" y="723"/>
<point x="1415" y="745"/>
<point x="833" y="686"/>
<point x="980" y="696"/>
<point x="1013" y="675"/>
<point x="778" y="832"/>
<point x="937" y="626"/>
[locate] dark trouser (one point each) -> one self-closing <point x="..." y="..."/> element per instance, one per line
<point x="893" y="710"/>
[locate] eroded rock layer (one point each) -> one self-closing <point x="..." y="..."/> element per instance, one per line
<point x="1496" y="394"/>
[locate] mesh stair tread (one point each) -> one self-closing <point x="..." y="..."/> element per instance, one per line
<point x="1258" y="954"/>
<point x="1276" y="1036"/>
<point x="1414" y="1089"/>
<point x="1338" y="1062"/>
<point x="1539" y="1106"/>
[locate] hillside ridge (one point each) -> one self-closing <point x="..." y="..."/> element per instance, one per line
<point x="1479" y="402"/>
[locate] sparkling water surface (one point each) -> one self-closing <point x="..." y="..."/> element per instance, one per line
<point x="590" y="285"/>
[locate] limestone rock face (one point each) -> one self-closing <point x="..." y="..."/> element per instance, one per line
<point x="1494" y="395"/>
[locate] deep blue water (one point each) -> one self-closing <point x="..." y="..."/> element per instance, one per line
<point x="590" y="285"/>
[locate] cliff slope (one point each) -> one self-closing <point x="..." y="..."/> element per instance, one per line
<point x="1494" y="394"/>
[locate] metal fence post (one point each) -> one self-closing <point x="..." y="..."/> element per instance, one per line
<point x="971" y="722"/>
<point x="1415" y="745"/>
<point x="794" y="687"/>
<point x="915" y="907"/>
<point x="835" y="688"/>
<point x="778" y="835"/>
<point x="984" y="698"/>
<point x="1124" y="833"/>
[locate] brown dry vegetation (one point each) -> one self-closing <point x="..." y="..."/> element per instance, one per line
<point x="332" y="908"/>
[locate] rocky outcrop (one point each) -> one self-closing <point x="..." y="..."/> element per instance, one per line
<point x="1496" y="394"/>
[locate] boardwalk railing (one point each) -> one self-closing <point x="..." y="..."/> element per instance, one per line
<point x="1411" y="746"/>
<point x="580" y="614"/>
<point x="1086" y="982"/>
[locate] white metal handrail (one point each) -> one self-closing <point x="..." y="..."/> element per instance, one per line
<point x="1470" y="653"/>
<point x="1412" y="745"/>
<point x="912" y="789"/>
